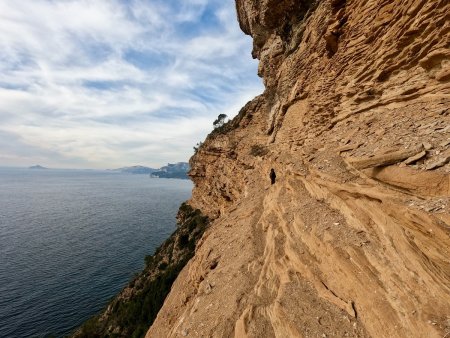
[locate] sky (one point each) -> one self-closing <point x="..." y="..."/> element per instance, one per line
<point x="111" y="83"/>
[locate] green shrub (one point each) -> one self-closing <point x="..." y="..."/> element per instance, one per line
<point x="162" y="266"/>
<point x="148" y="260"/>
<point x="258" y="150"/>
<point x="183" y="240"/>
<point x="197" y="147"/>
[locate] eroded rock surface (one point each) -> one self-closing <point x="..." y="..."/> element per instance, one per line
<point x="353" y="238"/>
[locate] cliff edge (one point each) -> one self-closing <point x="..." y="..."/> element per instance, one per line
<point x="353" y="238"/>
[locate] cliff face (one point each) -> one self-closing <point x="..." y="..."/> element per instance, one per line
<point x="353" y="238"/>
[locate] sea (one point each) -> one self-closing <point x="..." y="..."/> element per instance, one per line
<point x="71" y="239"/>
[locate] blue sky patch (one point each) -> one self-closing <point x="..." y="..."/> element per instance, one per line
<point x="109" y="77"/>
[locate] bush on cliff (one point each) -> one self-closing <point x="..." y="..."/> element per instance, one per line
<point x="258" y="150"/>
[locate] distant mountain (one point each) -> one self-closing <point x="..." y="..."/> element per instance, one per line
<point x="136" y="169"/>
<point x="37" y="166"/>
<point x="173" y="170"/>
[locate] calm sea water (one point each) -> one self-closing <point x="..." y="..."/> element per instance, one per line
<point x="70" y="240"/>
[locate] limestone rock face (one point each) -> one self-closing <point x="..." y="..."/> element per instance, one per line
<point x="353" y="239"/>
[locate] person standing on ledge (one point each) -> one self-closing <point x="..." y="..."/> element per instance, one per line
<point x="273" y="176"/>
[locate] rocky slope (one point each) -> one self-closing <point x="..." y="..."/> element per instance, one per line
<point x="353" y="239"/>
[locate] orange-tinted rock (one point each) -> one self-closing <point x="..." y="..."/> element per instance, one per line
<point x="329" y="249"/>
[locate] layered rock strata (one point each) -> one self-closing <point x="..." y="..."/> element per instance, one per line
<point x="353" y="238"/>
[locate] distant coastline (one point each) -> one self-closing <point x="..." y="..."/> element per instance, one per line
<point x="177" y="170"/>
<point x="171" y="170"/>
<point x="37" y="166"/>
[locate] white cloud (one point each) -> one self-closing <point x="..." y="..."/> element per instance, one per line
<point x="108" y="83"/>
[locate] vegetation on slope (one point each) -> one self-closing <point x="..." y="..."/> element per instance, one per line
<point x="131" y="313"/>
